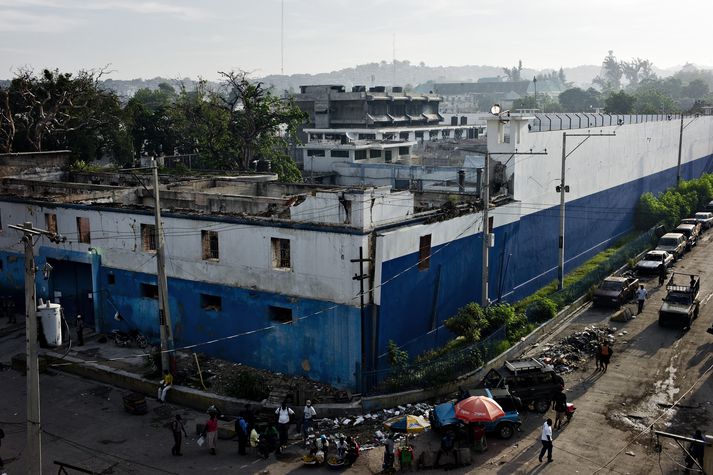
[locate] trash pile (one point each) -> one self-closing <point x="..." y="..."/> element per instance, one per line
<point x="368" y="428"/>
<point x="572" y="352"/>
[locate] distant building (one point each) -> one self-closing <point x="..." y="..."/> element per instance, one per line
<point x="350" y="131"/>
<point x="461" y="97"/>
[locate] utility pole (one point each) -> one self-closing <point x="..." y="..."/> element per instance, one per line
<point x="168" y="359"/>
<point x="361" y="277"/>
<point x="680" y="145"/>
<point x="484" y="300"/>
<point x="564" y="188"/>
<point x="34" y="428"/>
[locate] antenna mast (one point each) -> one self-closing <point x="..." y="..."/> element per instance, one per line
<point x="282" y="38"/>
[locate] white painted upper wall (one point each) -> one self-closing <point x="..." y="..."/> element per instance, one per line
<point x="321" y="267"/>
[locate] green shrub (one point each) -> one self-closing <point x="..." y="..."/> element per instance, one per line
<point x="247" y="385"/>
<point x="468" y="322"/>
<point x="541" y="310"/>
<point x="398" y="358"/>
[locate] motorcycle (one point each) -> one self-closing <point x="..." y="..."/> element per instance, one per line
<point x="132" y="337"/>
<point x="569" y="412"/>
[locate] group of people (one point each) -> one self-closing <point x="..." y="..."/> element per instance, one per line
<point x="346" y="448"/>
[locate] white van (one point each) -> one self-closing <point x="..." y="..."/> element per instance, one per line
<point x="673" y="243"/>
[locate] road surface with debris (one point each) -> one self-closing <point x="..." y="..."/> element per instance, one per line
<point x="652" y="369"/>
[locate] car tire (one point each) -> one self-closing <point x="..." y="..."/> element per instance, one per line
<point x="541" y="406"/>
<point x="505" y="430"/>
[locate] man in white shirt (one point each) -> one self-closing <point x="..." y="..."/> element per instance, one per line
<point x="284" y="414"/>
<point x="641" y="295"/>
<point x="546" y="439"/>
<point x="307" y="415"/>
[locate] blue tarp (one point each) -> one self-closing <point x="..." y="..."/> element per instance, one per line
<point x="445" y="414"/>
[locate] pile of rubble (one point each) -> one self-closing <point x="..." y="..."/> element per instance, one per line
<point x="572" y="352"/>
<point x="368" y="429"/>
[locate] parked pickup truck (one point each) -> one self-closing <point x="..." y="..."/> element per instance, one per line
<point x="531" y="380"/>
<point x="652" y="261"/>
<point x="616" y="291"/>
<point x="680" y="306"/>
<point x="705" y="219"/>
<point x="443" y="416"/>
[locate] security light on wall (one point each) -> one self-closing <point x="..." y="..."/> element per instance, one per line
<point x="495" y="109"/>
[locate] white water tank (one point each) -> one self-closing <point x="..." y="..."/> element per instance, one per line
<point x="50" y="316"/>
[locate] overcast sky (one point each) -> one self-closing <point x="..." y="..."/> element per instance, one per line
<point x="181" y="38"/>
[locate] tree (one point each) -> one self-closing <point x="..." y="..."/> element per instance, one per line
<point x="258" y="121"/>
<point x="514" y="73"/>
<point x="695" y="89"/>
<point x="637" y="70"/>
<point x="619" y="103"/>
<point x="201" y="126"/>
<point x="652" y="101"/>
<point x="54" y="110"/>
<point x="150" y="121"/>
<point x="609" y="79"/>
<point x="578" y="100"/>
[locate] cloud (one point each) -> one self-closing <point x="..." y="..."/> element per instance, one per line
<point x="131" y="6"/>
<point x="22" y="21"/>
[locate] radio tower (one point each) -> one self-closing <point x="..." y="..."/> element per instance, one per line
<point x="282" y="38"/>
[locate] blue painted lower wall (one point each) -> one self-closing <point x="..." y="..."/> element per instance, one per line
<point x="323" y="342"/>
<point x="524" y="259"/>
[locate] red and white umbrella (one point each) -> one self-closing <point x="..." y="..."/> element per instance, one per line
<point x="478" y="409"/>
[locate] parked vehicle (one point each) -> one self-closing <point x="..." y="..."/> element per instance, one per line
<point x="691" y="231"/>
<point x="531" y="380"/>
<point x="132" y="337"/>
<point x="673" y="243"/>
<point x="705" y="219"/>
<point x="443" y="417"/>
<point x="652" y="261"/>
<point x="693" y="221"/>
<point x="615" y="291"/>
<point x="709" y="206"/>
<point x="681" y="305"/>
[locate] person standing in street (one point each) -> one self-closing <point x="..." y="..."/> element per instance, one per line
<point x="307" y="416"/>
<point x="605" y="352"/>
<point x="165" y="385"/>
<point x="80" y="330"/>
<point x="210" y="432"/>
<point x="177" y="428"/>
<point x="249" y="416"/>
<point x="559" y="404"/>
<point x="662" y="274"/>
<point x="284" y="414"/>
<point x="641" y="296"/>
<point x="546" y="439"/>
<point x="241" y="428"/>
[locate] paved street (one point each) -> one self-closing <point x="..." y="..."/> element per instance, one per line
<point x="651" y="369"/>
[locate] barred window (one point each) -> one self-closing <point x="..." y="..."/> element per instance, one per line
<point x="281" y="258"/>
<point x="148" y="237"/>
<point x="210" y="245"/>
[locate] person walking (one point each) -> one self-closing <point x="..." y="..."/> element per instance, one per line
<point x="696" y="451"/>
<point x="546" y="439"/>
<point x="79" y="324"/>
<point x="284" y="414"/>
<point x="166" y="384"/>
<point x="662" y="274"/>
<point x="177" y="428"/>
<point x="641" y="296"/>
<point x="307" y="417"/>
<point x="605" y="352"/>
<point x="559" y="404"/>
<point x="241" y="428"/>
<point x="210" y="432"/>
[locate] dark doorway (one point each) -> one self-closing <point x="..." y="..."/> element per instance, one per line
<point x="70" y="285"/>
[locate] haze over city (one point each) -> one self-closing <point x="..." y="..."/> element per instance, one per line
<point x="182" y="38"/>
